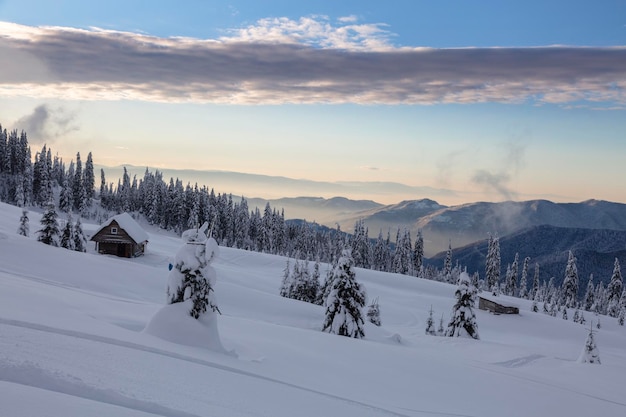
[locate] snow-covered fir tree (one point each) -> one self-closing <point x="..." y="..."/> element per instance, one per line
<point x="192" y="277"/>
<point x="447" y="264"/>
<point x="373" y="312"/>
<point x="463" y="320"/>
<point x="49" y="232"/>
<point x="570" y="282"/>
<point x="418" y="255"/>
<point x="511" y="281"/>
<point x="67" y="235"/>
<point x="614" y="290"/>
<point x="430" y="323"/>
<point x="286" y="283"/>
<point x="621" y="316"/>
<point x="80" y="241"/>
<point x="440" y="329"/>
<point x="304" y="286"/>
<point x="523" y="284"/>
<point x="24" y="228"/>
<point x="345" y="301"/>
<point x="590" y="353"/>
<point x="535" y="287"/>
<point x="589" y="300"/>
<point x="401" y="263"/>
<point x="492" y="265"/>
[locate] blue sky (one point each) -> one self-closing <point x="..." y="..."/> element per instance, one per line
<point x="488" y="99"/>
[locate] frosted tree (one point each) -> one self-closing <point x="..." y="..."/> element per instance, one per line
<point x="492" y="265"/>
<point x="345" y="300"/>
<point x="589" y="300"/>
<point x="614" y="290"/>
<point x="511" y="282"/>
<point x="192" y="279"/>
<point x="463" y="320"/>
<point x="430" y="323"/>
<point x="66" y="198"/>
<point x="523" y="285"/>
<point x="447" y="264"/>
<point x="590" y="353"/>
<point x="535" y="287"/>
<point x="621" y="316"/>
<point x="373" y="312"/>
<point x="440" y="329"/>
<point x="67" y="235"/>
<point x="286" y="284"/>
<point x="49" y="232"/>
<point x="24" y="228"/>
<point x="418" y="254"/>
<point x="80" y="242"/>
<point x="570" y="282"/>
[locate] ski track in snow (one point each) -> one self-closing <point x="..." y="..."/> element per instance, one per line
<point x="548" y="384"/>
<point x="518" y="362"/>
<point x="70" y="287"/>
<point x="79" y="389"/>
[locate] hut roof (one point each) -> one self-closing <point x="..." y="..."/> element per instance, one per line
<point x="126" y="222"/>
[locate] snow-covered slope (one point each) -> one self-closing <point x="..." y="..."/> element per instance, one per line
<point x="71" y="344"/>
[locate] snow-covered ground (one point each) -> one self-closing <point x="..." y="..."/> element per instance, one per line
<point x="72" y="345"/>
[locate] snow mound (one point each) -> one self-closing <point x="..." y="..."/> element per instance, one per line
<point x="174" y="324"/>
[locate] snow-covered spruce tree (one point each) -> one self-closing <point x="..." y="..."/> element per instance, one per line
<point x="511" y="281"/>
<point x="447" y="264"/>
<point x="49" y="232"/>
<point x="192" y="277"/>
<point x="373" y="312"/>
<point x="67" y="235"/>
<point x="590" y="353"/>
<point x="440" y="329"/>
<point x="345" y="300"/>
<point x="523" y="284"/>
<point x="570" y="282"/>
<point x="285" y="286"/>
<point x="430" y="324"/>
<point x="535" y="287"/>
<point x="589" y="300"/>
<point x="418" y="255"/>
<point x="614" y="290"/>
<point x="24" y="228"/>
<point x="463" y="320"/>
<point x="492" y="265"/>
<point x="80" y="241"/>
<point x="621" y="316"/>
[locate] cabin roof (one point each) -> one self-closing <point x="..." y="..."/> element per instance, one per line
<point x="502" y="300"/>
<point x="130" y="226"/>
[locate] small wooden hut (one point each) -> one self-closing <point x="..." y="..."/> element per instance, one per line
<point x="122" y="236"/>
<point x="496" y="307"/>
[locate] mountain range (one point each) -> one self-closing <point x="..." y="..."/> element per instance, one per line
<point x="456" y="225"/>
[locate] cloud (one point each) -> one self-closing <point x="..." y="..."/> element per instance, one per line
<point x="45" y="123"/>
<point x="309" y="60"/>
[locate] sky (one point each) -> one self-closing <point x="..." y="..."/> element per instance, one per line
<point x="484" y="101"/>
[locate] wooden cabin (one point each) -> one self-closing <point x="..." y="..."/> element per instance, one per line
<point x="496" y="307"/>
<point x="122" y="236"/>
